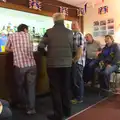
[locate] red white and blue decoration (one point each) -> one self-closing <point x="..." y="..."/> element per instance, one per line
<point x="82" y="11"/>
<point x="64" y="10"/>
<point x="103" y="10"/>
<point x="35" y="4"/>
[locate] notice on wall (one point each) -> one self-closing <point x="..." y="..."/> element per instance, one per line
<point x="103" y="27"/>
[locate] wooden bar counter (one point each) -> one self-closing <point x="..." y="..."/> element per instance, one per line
<point x="7" y="74"/>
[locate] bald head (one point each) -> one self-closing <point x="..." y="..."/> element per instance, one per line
<point x="75" y="26"/>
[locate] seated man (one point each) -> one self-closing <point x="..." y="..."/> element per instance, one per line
<point x="109" y="60"/>
<point x="5" y="112"/>
<point x="92" y="51"/>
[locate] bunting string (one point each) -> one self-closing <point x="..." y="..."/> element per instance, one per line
<point x="36" y="4"/>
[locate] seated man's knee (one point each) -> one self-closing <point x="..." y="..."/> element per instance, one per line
<point x="107" y="71"/>
<point x="93" y="63"/>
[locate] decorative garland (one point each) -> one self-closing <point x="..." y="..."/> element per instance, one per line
<point x="82" y="11"/>
<point x="35" y="4"/>
<point x="64" y="10"/>
<point x="103" y="10"/>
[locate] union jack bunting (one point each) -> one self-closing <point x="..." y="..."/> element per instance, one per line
<point x="64" y="10"/>
<point x="80" y="12"/>
<point x="103" y="10"/>
<point x="35" y="4"/>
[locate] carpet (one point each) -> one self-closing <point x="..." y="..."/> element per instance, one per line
<point x="107" y="109"/>
<point x="44" y="106"/>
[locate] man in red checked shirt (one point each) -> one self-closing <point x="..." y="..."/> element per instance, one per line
<point x="25" y="67"/>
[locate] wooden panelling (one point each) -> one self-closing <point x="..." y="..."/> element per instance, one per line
<point x="48" y="8"/>
<point x="26" y="9"/>
<point x="47" y="5"/>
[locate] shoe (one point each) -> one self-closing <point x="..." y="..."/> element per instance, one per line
<point x="75" y="101"/>
<point x="104" y="93"/>
<point x="31" y="112"/>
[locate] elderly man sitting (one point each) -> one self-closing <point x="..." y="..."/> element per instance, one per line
<point x="93" y="47"/>
<point x="5" y="112"/>
<point x="108" y="62"/>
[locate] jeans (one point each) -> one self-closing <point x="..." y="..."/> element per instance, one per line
<point x="77" y="81"/>
<point x="25" y="80"/>
<point x="89" y="70"/>
<point x="6" y="112"/>
<point x="104" y="76"/>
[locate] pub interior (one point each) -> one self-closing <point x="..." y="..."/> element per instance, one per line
<point x="37" y="27"/>
<point x="15" y="12"/>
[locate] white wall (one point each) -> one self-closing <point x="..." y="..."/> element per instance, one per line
<point x="92" y="15"/>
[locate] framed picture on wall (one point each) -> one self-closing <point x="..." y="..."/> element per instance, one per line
<point x="109" y="21"/>
<point x="96" y="23"/>
<point x="111" y="32"/>
<point x="96" y="28"/>
<point x="103" y="33"/>
<point x="96" y="34"/>
<point x="103" y="28"/>
<point x="103" y="22"/>
<point x="110" y="27"/>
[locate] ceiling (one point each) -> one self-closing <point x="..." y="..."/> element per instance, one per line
<point x="80" y="3"/>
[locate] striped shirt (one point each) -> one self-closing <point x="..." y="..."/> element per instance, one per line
<point x="80" y="42"/>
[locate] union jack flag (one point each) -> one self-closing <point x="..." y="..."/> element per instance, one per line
<point x="35" y="4"/>
<point x="64" y="10"/>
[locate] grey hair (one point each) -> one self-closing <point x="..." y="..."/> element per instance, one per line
<point x="58" y="16"/>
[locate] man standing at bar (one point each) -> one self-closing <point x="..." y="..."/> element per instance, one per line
<point x="79" y="56"/>
<point x="25" y="68"/>
<point x="59" y="40"/>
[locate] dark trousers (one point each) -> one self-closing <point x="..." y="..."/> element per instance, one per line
<point x="77" y="81"/>
<point x="89" y="70"/>
<point x="6" y="112"/>
<point x="59" y="79"/>
<point x="104" y="76"/>
<point x="25" y="79"/>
